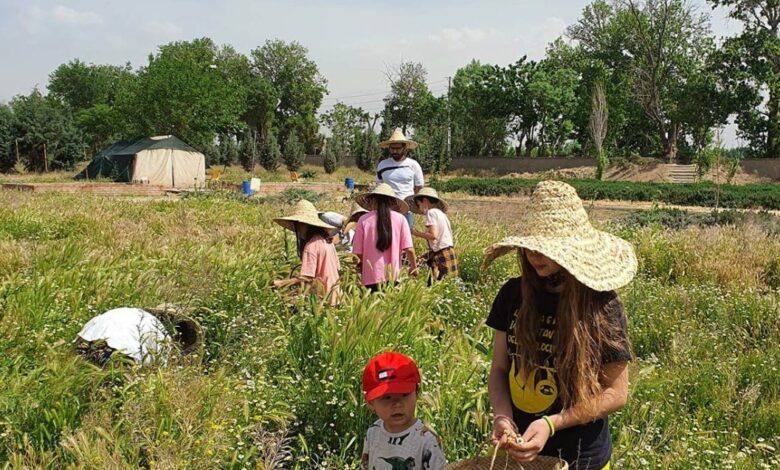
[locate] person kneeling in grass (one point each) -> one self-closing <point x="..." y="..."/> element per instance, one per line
<point x="438" y="232"/>
<point x="397" y="440"/>
<point x="319" y="261"/>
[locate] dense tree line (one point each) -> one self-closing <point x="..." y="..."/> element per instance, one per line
<point x="630" y="77"/>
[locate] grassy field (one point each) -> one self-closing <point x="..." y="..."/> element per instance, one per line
<point x="274" y="387"/>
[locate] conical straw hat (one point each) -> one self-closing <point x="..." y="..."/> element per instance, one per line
<point x="398" y="137"/>
<point x="304" y="212"/>
<point x="356" y="212"/>
<point x="382" y="189"/>
<point x="556" y="225"/>
<point x="431" y="194"/>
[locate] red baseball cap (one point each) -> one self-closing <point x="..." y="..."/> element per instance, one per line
<point x="389" y="372"/>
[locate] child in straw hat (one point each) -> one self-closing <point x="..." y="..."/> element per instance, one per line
<point x="438" y="232"/>
<point x="561" y="348"/>
<point x="319" y="261"/>
<point x="382" y="236"/>
<point x="397" y="440"/>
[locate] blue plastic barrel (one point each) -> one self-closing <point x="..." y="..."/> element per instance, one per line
<point x="246" y="188"/>
<point x="349" y="183"/>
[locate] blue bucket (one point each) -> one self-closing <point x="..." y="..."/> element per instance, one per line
<point x="349" y="183"/>
<point x="246" y="188"/>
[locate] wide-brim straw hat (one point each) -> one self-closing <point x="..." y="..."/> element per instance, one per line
<point x="368" y="200"/>
<point x="432" y="195"/>
<point x="541" y="462"/>
<point x="304" y="212"/>
<point x="398" y="137"/>
<point x="556" y="225"/>
<point x="355" y="213"/>
<point x="185" y="330"/>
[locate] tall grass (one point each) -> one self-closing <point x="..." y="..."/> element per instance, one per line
<point x="278" y="385"/>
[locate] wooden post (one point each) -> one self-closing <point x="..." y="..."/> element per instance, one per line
<point x="17" y="149"/>
<point x="45" y="159"/>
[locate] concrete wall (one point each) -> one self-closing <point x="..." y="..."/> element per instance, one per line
<point x="767" y="168"/>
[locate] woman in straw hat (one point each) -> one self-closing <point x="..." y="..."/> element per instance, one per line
<point x="319" y="261"/>
<point x="438" y="232"/>
<point x="382" y="236"/>
<point x="561" y="347"/>
<point x="402" y="173"/>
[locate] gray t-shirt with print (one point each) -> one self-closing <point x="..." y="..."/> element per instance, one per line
<point x="415" y="448"/>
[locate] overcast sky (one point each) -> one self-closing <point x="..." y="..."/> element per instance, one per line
<point x="352" y="42"/>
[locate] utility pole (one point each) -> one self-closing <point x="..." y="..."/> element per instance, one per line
<point x="449" y="120"/>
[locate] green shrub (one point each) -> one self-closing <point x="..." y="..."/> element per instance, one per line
<point x="748" y="196"/>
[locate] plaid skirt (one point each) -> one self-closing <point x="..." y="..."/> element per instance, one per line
<point x="446" y="263"/>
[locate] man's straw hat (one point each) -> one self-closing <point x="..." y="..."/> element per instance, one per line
<point x="304" y="212"/>
<point x="398" y="137"/>
<point x="368" y="200"/>
<point x="556" y="225"/>
<point x="432" y="195"/>
<point x="355" y="213"/>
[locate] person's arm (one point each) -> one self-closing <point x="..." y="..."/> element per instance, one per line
<point x="430" y="233"/>
<point x="419" y="179"/>
<point x="498" y="388"/>
<point x="293" y="281"/>
<point x="613" y="396"/>
<point x="412" y="261"/>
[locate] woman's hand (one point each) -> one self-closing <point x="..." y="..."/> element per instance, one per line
<point x="278" y="284"/>
<point x="535" y="437"/>
<point x="503" y="431"/>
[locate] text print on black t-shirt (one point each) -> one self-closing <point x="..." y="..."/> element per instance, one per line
<point x="534" y="391"/>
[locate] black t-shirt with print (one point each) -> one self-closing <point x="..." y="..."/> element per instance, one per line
<point x="588" y="446"/>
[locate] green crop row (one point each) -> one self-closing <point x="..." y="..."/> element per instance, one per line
<point x="747" y="196"/>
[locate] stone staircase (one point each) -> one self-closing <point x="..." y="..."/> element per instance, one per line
<point x="682" y="173"/>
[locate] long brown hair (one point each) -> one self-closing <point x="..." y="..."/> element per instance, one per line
<point x="384" y="227"/>
<point x="582" y="332"/>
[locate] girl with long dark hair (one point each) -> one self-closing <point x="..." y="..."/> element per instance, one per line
<point x="382" y="237"/>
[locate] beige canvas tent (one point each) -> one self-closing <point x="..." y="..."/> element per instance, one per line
<point x="162" y="160"/>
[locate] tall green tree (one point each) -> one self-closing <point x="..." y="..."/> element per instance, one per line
<point x="248" y="151"/>
<point x="346" y="123"/>
<point x="47" y="136"/>
<point x="551" y="88"/>
<point x="479" y="112"/>
<point x="669" y="43"/>
<point x="367" y="151"/>
<point x="294" y="153"/>
<point x="408" y="93"/>
<point x="297" y="86"/>
<point x="270" y="153"/>
<point x="750" y="70"/>
<point x="92" y="92"/>
<point x="7" y="157"/>
<point x="189" y="89"/>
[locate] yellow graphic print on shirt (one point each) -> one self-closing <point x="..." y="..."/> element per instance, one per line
<point x="535" y="390"/>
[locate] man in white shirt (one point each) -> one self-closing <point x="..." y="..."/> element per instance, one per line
<point x="402" y="173"/>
